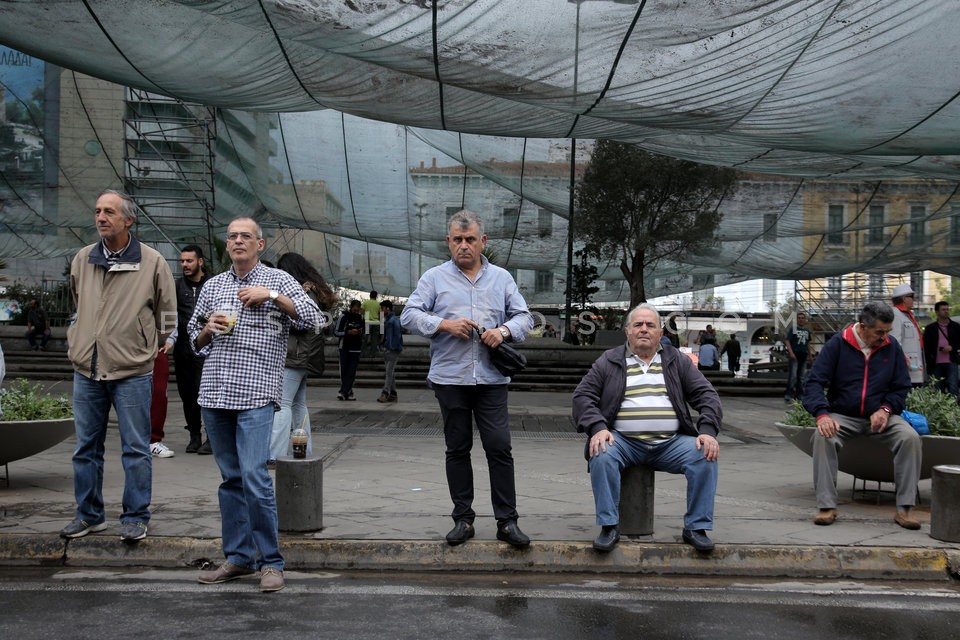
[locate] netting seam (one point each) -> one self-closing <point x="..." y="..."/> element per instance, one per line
<point x="353" y="208"/>
<point x="239" y="161"/>
<point x="782" y="214"/>
<point x="293" y="183"/>
<point x="286" y="57"/>
<point x="616" y="60"/>
<point x="436" y="65"/>
<point x="519" y="194"/>
<point x="106" y="34"/>
<point x="943" y="106"/>
<point x="790" y="66"/>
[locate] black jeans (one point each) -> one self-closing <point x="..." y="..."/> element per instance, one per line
<point x="460" y="406"/>
<point x="349" y="362"/>
<point x="189" y="367"/>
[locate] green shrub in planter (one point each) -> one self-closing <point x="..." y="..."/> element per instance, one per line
<point x="797" y="415"/>
<point x="940" y="408"/>
<point x="24" y="401"/>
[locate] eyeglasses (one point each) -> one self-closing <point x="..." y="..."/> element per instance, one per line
<point x="244" y="237"/>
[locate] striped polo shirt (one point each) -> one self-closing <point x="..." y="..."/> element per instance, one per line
<point x="646" y="412"/>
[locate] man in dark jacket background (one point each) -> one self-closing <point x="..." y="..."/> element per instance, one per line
<point x="941" y="348"/>
<point x="866" y="379"/>
<point x="189" y="365"/>
<point x="633" y="403"/>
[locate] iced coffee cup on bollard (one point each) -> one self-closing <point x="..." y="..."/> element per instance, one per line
<point x="298" y="442"/>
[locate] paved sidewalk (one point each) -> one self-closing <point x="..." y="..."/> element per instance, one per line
<point x="385" y="503"/>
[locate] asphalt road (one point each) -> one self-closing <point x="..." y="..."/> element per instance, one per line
<point x="68" y="603"/>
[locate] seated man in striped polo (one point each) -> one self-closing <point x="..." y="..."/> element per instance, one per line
<point x="635" y="405"/>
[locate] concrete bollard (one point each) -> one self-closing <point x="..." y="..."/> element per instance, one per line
<point x="636" y="501"/>
<point x="945" y="503"/>
<point x="299" y="489"/>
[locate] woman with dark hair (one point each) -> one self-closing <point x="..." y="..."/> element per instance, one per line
<point x="304" y="356"/>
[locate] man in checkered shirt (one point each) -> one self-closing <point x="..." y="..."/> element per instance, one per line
<point x="241" y="323"/>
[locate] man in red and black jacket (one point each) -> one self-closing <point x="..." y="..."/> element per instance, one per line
<point x="866" y="379"/>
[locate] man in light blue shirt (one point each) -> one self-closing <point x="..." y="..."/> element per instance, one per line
<point x="467" y="306"/>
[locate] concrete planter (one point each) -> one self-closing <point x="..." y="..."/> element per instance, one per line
<point x="869" y="459"/>
<point x="22" y="439"/>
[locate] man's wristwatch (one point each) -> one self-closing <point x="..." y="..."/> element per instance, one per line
<point x="274" y="294"/>
<point x="885" y="410"/>
<point x="504" y="333"/>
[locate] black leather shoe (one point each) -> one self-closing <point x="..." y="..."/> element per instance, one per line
<point x="462" y="532"/>
<point x="511" y="534"/>
<point x="194" y="444"/>
<point x="698" y="540"/>
<point x="205" y="449"/>
<point x="608" y="538"/>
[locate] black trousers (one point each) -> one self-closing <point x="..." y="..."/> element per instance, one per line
<point x="189" y="367"/>
<point x="460" y="406"/>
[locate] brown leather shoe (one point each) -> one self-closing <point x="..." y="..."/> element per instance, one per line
<point x="271" y="580"/>
<point x="905" y="520"/>
<point x="825" y="517"/>
<point x="223" y="573"/>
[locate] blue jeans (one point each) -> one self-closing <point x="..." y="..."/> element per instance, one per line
<point x="389" y="381"/>
<point x="293" y="413"/>
<point x="248" y="507"/>
<point x="130" y="398"/>
<point x="795" y="372"/>
<point x="677" y="455"/>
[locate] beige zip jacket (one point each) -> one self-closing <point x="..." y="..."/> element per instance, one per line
<point x="125" y="311"/>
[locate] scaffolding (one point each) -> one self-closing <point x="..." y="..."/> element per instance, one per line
<point x="169" y="164"/>
<point x="834" y="302"/>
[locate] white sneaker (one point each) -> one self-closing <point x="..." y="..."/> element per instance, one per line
<point x="160" y="450"/>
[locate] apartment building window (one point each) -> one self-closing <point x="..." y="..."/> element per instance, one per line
<point x="835" y="224"/>
<point x="916" y="283"/>
<point x="875" y="220"/>
<point x="918" y="230"/>
<point x="545" y="223"/>
<point x="544" y="282"/>
<point x="511" y="218"/>
<point x="955" y="229"/>
<point x="875" y="288"/>
<point x="770" y="227"/>
<point x="834" y="289"/>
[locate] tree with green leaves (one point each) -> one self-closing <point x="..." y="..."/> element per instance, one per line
<point x="951" y="293"/>
<point x="582" y="278"/>
<point x="641" y="209"/>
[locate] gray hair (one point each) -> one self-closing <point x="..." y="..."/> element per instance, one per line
<point x="876" y="311"/>
<point x="128" y="207"/>
<point x="463" y="219"/>
<point x="642" y="305"/>
<point x="257" y="224"/>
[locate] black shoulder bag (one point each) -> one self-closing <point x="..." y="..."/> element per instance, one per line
<point x="507" y="359"/>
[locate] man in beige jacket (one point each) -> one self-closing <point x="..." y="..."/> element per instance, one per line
<point x="126" y="307"/>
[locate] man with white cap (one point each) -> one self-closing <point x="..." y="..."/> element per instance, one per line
<point x="908" y="333"/>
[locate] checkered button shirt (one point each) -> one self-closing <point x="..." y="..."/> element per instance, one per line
<point x="244" y="370"/>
